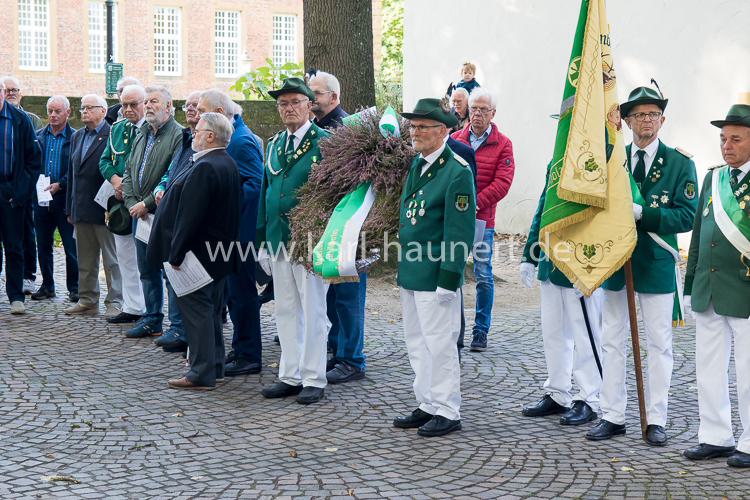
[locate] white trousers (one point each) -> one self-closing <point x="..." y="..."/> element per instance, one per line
<point x="657" y="320"/>
<point x="713" y="348"/>
<point x="132" y="293"/>
<point x="431" y="330"/>
<point x="301" y="322"/>
<point x="567" y="347"/>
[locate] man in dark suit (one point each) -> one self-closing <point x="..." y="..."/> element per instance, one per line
<point x="92" y="236"/>
<point x="54" y="141"/>
<point x="199" y="212"/>
<point x="19" y="169"/>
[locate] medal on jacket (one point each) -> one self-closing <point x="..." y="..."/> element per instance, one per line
<point x="421" y="209"/>
<point x="745" y="261"/>
<point x="705" y="211"/>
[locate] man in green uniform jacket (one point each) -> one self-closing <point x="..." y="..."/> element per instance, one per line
<point x="436" y="233"/>
<point x="665" y="184"/>
<point x="112" y="166"/>
<point x="300" y="296"/>
<point x="718" y="287"/>
<point x="571" y="333"/>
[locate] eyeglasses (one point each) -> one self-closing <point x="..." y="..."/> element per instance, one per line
<point x="422" y="128"/>
<point x="290" y="104"/>
<point x="321" y="92"/>
<point x="12" y="91"/>
<point x="483" y="111"/>
<point x="641" y="117"/>
<point x="189" y="106"/>
<point x="89" y="108"/>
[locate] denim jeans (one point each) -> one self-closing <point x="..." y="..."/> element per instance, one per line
<point x="173" y="310"/>
<point x="485" y="281"/>
<point x="47" y="219"/>
<point x="345" y="304"/>
<point x="151" y="281"/>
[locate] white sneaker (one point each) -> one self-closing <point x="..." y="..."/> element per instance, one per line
<point x="28" y="287"/>
<point x="17" y="307"/>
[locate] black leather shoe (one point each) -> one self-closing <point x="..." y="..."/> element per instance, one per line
<point x="330" y="364"/>
<point x="344" y="372"/>
<point x="178" y="346"/>
<point x="579" y="414"/>
<point x="42" y="294"/>
<point x="439" y="426"/>
<point x="230" y="357"/>
<point x="545" y="406"/>
<point x="739" y="459"/>
<point x="656" y="435"/>
<point x="605" y="429"/>
<point x="415" y="419"/>
<point x="123" y="318"/>
<point x="310" y="395"/>
<point x="707" y="451"/>
<point x="241" y="367"/>
<point x="280" y="390"/>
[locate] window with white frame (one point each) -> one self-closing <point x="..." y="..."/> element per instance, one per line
<point x="168" y="41"/>
<point x="33" y="34"/>
<point x="284" y="39"/>
<point x="227" y="42"/>
<point x="98" y="35"/>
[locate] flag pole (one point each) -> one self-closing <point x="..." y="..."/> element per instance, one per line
<point x="636" y="346"/>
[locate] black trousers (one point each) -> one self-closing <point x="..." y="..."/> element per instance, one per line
<point x="11" y="237"/>
<point x="201" y="318"/>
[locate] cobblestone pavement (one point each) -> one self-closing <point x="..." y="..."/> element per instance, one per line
<point x="77" y="399"/>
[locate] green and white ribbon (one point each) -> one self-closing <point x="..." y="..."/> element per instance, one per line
<point x="730" y="218"/>
<point x="669" y="243"/>
<point x="389" y="124"/>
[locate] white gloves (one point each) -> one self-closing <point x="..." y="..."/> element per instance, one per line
<point x="264" y="260"/>
<point x="528" y="272"/>
<point x="637" y="211"/>
<point x="687" y="304"/>
<point x="445" y="296"/>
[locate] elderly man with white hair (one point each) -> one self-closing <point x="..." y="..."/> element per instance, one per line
<point x="327" y="106"/>
<point x="460" y="107"/>
<point x="199" y="212"/>
<point x="114" y="113"/>
<point x="495" y="169"/>
<point x="54" y="141"/>
<point x="92" y="236"/>
<point x="244" y="307"/>
<point x="153" y="147"/>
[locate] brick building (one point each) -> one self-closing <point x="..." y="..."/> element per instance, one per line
<point x="59" y="46"/>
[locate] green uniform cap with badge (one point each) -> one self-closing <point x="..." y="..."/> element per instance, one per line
<point x="644" y="95"/>
<point x="293" y="86"/>
<point x="433" y="109"/>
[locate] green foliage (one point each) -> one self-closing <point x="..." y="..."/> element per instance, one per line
<point x="256" y="83"/>
<point x="388" y="94"/>
<point x="392" y="65"/>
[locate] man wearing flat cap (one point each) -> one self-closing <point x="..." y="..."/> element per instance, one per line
<point x="436" y="232"/>
<point x="300" y="296"/>
<point x="664" y="203"/>
<point x="717" y="286"/>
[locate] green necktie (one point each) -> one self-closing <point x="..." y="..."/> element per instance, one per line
<point x="639" y="174"/>
<point x="420" y="165"/>
<point x="734" y="177"/>
<point x="290" y="145"/>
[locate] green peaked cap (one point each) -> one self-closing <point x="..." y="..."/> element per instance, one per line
<point x="432" y="109"/>
<point x="643" y="95"/>
<point x="739" y="114"/>
<point x="293" y="86"/>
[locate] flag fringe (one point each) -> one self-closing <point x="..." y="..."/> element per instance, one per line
<point x="581" y="198"/>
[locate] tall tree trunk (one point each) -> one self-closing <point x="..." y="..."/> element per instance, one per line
<point x="338" y="40"/>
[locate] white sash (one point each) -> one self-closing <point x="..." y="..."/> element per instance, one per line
<point x="727" y="227"/>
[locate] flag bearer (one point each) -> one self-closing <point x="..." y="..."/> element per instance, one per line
<point x="436" y="232"/>
<point x="718" y="286"/>
<point x="665" y="200"/>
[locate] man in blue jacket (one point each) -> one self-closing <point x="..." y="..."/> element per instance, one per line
<point x="19" y="169"/>
<point x="54" y="141"/>
<point x="244" y="308"/>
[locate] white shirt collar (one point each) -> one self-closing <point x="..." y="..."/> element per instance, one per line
<point x="648" y="159"/>
<point x="430" y="158"/>
<point x="744" y="169"/>
<point x="200" y="154"/>
<point x="299" y="133"/>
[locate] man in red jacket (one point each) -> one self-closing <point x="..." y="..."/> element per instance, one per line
<point x="495" y="167"/>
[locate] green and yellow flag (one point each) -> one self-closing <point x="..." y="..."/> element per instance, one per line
<point x="587" y="226"/>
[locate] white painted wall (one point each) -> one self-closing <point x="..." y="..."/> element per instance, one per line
<point x="698" y="51"/>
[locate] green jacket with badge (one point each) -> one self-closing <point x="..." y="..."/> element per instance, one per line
<point x="438" y="212"/>
<point x="283" y="175"/>
<point x="121" y="137"/>
<point x="671" y="200"/>
<point x="715" y="273"/>
<point x="532" y="252"/>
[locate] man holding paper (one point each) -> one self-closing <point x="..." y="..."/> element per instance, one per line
<point x="54" y="140"/>
<point x="718" y="286"/>
<point x="92" y="236"/>
<point x="199" y="213"/>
